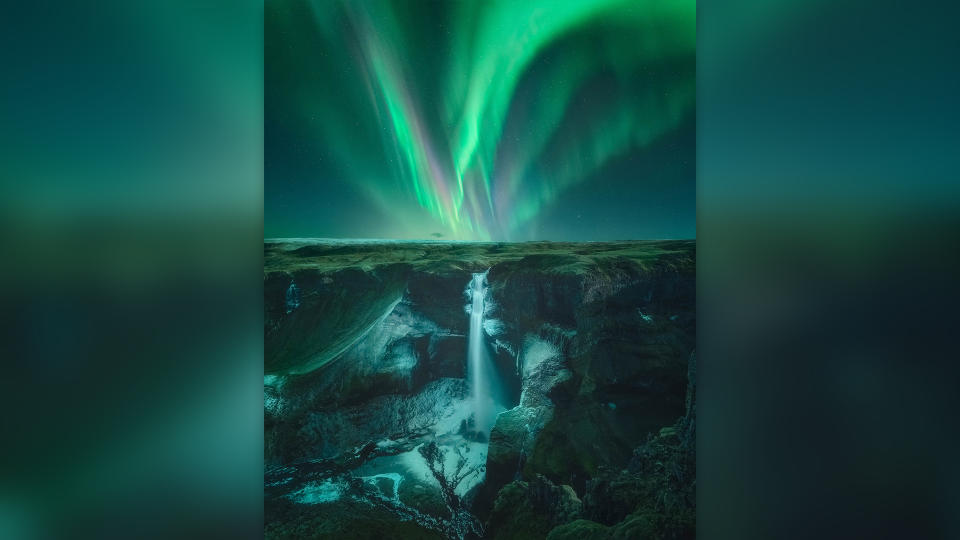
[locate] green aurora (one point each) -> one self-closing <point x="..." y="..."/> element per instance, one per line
<point x="470" y="120"/>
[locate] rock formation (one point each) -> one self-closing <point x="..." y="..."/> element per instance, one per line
<point x="365" y="362"/>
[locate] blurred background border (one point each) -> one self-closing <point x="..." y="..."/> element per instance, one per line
<point x="131" y="235"/>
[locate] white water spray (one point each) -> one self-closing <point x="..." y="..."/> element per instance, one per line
<point x="479" y="372"/>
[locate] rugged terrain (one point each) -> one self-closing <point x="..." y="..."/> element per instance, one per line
<point x="365" y="367"/>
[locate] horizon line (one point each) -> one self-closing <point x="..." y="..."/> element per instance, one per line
<point x="325" y="238"/>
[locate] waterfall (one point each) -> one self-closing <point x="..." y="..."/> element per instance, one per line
<point x="479" y="369"/>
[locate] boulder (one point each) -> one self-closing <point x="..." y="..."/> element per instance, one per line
<point x="532" y="509"/>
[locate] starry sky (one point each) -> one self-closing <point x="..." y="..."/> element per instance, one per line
<point x="494" y="120"/>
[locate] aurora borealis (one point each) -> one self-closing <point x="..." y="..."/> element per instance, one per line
<point x="480" y="120"/>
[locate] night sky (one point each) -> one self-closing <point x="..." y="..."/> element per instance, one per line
<point x="507" y="121"/>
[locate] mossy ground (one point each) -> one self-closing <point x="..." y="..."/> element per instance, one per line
<point x="341" y="520"/>
<point x="438" y="257"/>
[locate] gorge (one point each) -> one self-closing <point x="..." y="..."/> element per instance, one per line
<point x="466" y="390"/>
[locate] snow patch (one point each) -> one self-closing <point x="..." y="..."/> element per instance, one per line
<point x="318" y="492"/>
<point x="292" y="297"/>
<point x="535" y="351"/>
<point x="394" y="477"/>
<point x="493" y="327"/>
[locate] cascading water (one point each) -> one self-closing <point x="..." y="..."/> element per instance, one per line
<point x="479" y="369"/>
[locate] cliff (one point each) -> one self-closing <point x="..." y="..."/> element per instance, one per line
<point x="365" y="344"/>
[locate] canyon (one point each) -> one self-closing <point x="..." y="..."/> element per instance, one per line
<point x="438" y="389"/>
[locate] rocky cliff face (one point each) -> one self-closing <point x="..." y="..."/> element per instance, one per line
<point x="366" y="345"/>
